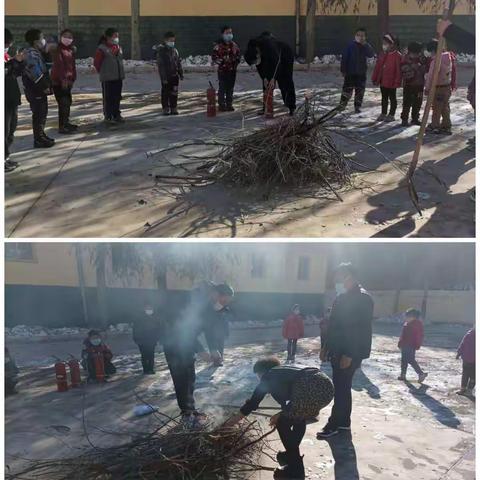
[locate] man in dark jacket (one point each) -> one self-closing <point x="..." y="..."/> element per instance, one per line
<point x="37" y="86"/>
<point x="354" y="69"/>
<point x="13" y="69"/>
<point x="348" y="342"/>
<point x="146" y="334"/>
<point x="181" y="342"/>
<point x="170" y="71"/>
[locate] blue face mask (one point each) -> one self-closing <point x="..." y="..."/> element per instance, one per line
<point x="228" y="37"/>
<point x="340" y="288"/>
<point x="170" y="44"/>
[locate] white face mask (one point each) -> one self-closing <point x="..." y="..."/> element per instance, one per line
<point x="67" y="41"/>
<point x="170" y="44"/>
<point x="340" y="288"/>
<point x="385" y="48"/>
<point x="358" y="39"/>
<point x="43" y="42"/>
<point x="6" y="49"/>
<point x="149" y="312"/>
<point x="116" y="40"/>
<point x="217" y="306"/>
<point x="96" y="342"/>
<point x="296" y="311"/>
<point x="427" y="53"/>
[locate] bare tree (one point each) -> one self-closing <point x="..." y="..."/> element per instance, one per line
<point x="135" y="29"/>
<point x="62" y="13"/>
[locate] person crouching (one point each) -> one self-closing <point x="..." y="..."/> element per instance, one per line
<point x="93" y="346"/>
<point x="301" y="393"/>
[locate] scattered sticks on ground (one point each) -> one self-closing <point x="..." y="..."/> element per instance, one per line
<point x="169" y="452"/>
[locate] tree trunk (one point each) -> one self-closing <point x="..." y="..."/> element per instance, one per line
<point x="136" y="51"/>
<point x="101" y="262"/>
<point x="383" y="17"/>
<point x="310" y="30"/>
<point x="81" y="281"/>
<point x="62" y="7"/>
<point x="297" y="28"/>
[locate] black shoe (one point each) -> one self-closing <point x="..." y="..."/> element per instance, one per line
<point x="405" y="123"/>
<point x="222" y="108"/>
<point x="10" y="166"/>
<point x="292" y="112"/>
<point x="230" y="108"/>
<point x="293" y="471"/>
<point x="327" y="432"/>
<point x="357" y="110"/>
<point x="72" y="126"/>
<point x="416" y="122"/>
<point x="174" y="111"/>
<point x="282" y="458"/>
<point x="50" y="139"/>
<point x="43" y="142"/>
<point x="66" y="130"/>
<point x="119" y="119"/>
<point x="166" y="112"/>
<point x="261" y="112"/>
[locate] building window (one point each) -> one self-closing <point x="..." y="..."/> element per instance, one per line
<point x="303" y="268"/>
<point x="258" y="266"/>
<point x="19" y="252"/>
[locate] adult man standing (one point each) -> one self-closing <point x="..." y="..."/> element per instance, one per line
<point x="354" y="69"/>
<point x="348" y="342"/>
<point x="181" y="342"/>
<point x="146" y="334"/>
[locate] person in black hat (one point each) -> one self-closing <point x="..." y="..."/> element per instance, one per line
<point x="181" y="343"/>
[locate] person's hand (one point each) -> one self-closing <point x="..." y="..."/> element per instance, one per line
<point x="204" y="356"/>
<point x="323" y="354"/>
<point x="345" y="362"/>
<point x="274" y="419"/>
<point x="442" y="25"/>
<point x="233" y="420"/>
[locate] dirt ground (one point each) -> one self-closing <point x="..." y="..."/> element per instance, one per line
<point x="101" y="182"/>
<point x="400" y="430"/>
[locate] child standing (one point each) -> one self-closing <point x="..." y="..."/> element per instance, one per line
<point x="466" y="351"/>
<point x="93" y="345"/>
<point x="13" y="69"/>
<point x="109" y="64"/>
<point x="414" y="68"/>
<point x="301" y="393"/>
<point x="293" y="329"/>
<point x="446" y="84"/>
<point x="37" y="86"/>
<point x="410" y="341"/>
<point x="170" y="71"/>
<point x="226" y="54"/>
<point x="387" y="74"/>
<point x="64" y="74"/>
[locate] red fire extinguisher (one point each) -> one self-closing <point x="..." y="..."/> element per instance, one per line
<point x="268" y="99"/>
<point x="75" y="376"/>
<point x="211" y="101"/>
<point x="99" y="366"/>
<point x="61" y="375"/>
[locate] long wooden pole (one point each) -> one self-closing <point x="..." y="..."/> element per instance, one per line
<point x="447" y="14"/>
<point x="135" y="29"/>
<point x="62" y="15"/>
<point x="310" y="29"/>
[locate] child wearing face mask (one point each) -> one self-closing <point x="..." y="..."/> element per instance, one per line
<point x="109" y="64"/>
<point x="387" y="74"/>
<point x="446" y="84"/>
<point x="13" y="69"/>
<point x="171" y="72"/>
<point x="146" y="334"/>
<point x="414" y="68"/>
<point x="94" y="345"/>
<point x="37" y="86"/>
<point x="293" y="329"/>
<point x="410" y="341"/>
<point x="63" y="76"/>
<point x="226" y="55"/>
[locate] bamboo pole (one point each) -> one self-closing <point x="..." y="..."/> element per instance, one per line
<point x="447" y="14"/>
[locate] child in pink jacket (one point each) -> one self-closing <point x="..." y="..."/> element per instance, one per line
<point x="388" y="76"/>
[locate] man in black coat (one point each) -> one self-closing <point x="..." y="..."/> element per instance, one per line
<point x="348" y="342"/>
<point x="14" y="67"/>
<point x="181" y="341"/>
<point x="274" y="61"/>
<point x="146" y="334"/>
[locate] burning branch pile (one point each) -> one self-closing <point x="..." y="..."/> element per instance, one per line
<point x="170" y="452"/>
<point x="295" y="151"/>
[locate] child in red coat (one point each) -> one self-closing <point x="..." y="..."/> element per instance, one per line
<point x="411" y="340"/>
<point x="293" y="330"/>
<point x="388" y="76"/>
<point x="93" y="345"/>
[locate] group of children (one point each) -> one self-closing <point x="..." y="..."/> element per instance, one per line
<point x="413" y="70"/>
<point x="410" y="341"/>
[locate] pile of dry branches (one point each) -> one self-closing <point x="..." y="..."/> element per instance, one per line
<point x="170" y="452"/>
<point x="295" y="151"/>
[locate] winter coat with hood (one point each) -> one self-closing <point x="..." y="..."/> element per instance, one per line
<point x="168" y="62"/>
<point x="466" y="349"/>
<point x="412" y="335"/>
<point x="387" y="72"/>
<point x="13" y="70"/>
<point x="108" y="62"/>
<point x="36" y="79"/>
<point x="355" y="58"/>
<point x="293" y="327"/>
<point x="64" y="70"/>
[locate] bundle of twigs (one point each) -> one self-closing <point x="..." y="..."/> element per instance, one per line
<point x="295" y="151"/>
<point x="170" y="452"/>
